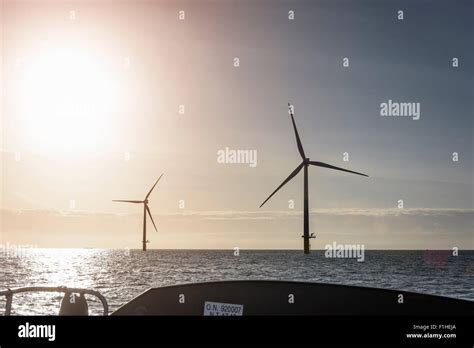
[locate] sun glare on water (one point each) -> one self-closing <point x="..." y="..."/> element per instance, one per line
<point x="67" y="98"/>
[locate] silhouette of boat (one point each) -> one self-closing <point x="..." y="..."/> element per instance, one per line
<point x="253" y="298"/>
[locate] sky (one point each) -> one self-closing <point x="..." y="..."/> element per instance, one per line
<point x="98" y="100"/>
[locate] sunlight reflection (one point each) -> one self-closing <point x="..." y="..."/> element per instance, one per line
<point x="62" y="267"/>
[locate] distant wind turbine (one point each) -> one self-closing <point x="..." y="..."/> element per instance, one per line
<point x="145" y="211"/>
<point x="305" y="163"/>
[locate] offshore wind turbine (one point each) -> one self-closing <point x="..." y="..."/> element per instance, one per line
<point x="146" y="210"/>
<point x="305" y="164"/>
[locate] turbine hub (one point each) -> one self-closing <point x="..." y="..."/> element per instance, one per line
<point x="306" y="160"/>
<point x="145" y="201"/>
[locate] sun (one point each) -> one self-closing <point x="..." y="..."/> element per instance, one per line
<point x="67" y="100"/>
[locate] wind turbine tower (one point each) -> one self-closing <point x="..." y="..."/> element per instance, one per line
<point x="306" y="162"/>
<point x="146" y="210"/>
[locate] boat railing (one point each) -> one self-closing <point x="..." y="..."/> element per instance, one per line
<point x="10" y="292"/>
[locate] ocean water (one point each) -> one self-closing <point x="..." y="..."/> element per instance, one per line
<point x="121" y="275"/>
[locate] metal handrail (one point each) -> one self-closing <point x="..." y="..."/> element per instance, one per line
<point x="10" y="292"/>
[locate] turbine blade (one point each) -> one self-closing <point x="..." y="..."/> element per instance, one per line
<point x="325" y="165"/>
<point x="151" y="217"/>
<point x="153" y="186"/>
<point x="121" y="200"/>
<point x="298" y="141"/>
<point x="291" y="176"/>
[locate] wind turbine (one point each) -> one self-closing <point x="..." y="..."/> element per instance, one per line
<point x="145" y="211"/>
<point x="305" y="164"/>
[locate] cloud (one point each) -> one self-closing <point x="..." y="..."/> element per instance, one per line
<point x="261" y="215"/>
<point x="414" y="228"/>
<point x="288" y="214"/>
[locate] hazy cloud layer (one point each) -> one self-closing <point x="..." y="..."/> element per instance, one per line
<point x="414" y="228"/>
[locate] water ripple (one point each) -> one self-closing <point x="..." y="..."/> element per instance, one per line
<point x="121" y="277"/>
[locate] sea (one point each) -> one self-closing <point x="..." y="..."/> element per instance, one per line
<point x="121" y="275"/>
